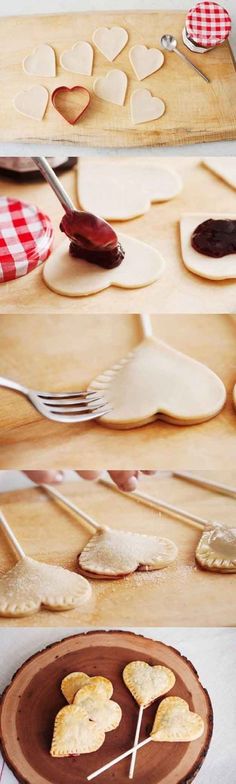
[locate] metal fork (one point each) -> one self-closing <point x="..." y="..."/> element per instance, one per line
<point x="62" y="406"/>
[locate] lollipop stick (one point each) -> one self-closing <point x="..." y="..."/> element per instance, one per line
<point x="209" y="484"/>
<point x="136" y="740"/>
<point x="11" y="537"/>
<point x="79" y="512"/>
<point x="118" y="759"/>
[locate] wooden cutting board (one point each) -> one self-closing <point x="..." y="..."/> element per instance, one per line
<point x="195" y="111"/>
<point x="66" y="351"/>
<point x="177" y="291"/>
<point x="181" y="595"/>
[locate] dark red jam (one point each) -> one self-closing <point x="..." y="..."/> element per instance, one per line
<point x="215" y="238"/>
<point x="92" y="239"/>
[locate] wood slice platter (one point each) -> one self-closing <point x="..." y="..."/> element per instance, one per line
<point x="195" y="111"/>
<point x="31" y="701"/>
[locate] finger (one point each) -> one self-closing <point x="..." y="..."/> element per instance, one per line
<point x="125" y="480"/>
<point x="50" y="477"/>
<point x="90" y="475"/>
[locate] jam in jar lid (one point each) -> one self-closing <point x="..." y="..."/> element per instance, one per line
<point x="26" y="237"/>
<point x="208" y="24"/>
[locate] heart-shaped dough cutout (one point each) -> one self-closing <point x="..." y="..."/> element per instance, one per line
<point x="42" y="61"/>
<point x="157" y="382"/>
<point x="75" y="681"/>
<point x="74" y="733"/>
<point x="79" y="59"/>
<point x="216" y="550"/>
<point x="121" y="189"/>
<point x="72" y="277"/>
<point x="224" y="168"/>
<point x="71" y="102"/>
<point x="147" y="683"/>
<point x="113" y="554"/>
<point x="110" y="41"/>
<point x="206" y="266"/>
<point x="145" y="61"/>
<point x="30" y="585"/>
<point x="145" y="107"/>
<point x="105" y="712"/>
<point x="112" y="87"/>
<point x="32" y="103"/>
<point x="174" y="722"/>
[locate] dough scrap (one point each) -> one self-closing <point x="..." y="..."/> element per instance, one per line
<point x="75" y="681"/>
<point x="117" y="190"/>
<point x="78" y="59"/>
<point x="29" y="585"/>
<point x="105" y="712"/>
<point x="74" y="733"/>
<point x="175" y="722"/>
<point x="110" y="41"/>
<point x="224" y="168"/>
<point x="145" y="61"/>
<point x="216" y="550"/>
<point x="205" y="266"/>
<point x="73" y="277"/>
<point x="145" y="107"/>
<point x="157" y="382"/>
<point x="111" y="553"/>
<point x="42" y="61"/>
<point x="112" y="87"/>
<point x="32" y="103"/>
<point x="147" y="683"/>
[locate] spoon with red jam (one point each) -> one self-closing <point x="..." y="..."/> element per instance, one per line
<point x="91" y="238"/>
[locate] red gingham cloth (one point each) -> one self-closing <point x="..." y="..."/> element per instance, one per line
<point x="26" y="237"/>
<point x="208" y="24"/>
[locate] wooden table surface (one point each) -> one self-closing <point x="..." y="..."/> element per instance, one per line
<point x="177" y="291"/>
<point x="66" y="352"/>
<point x="181" y="595"/>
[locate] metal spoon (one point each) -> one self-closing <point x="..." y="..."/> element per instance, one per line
<point x="169" y="42"/>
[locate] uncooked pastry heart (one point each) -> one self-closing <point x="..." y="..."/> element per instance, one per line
<point x="123" y="189"/>
<point x="156" y="381"/>
<point x="145" y="107"/>
<point x="71" y="102"/>
<point x="30" y="585"/>
<point x="110" y="41"/>
<point x="216" y="550"/>
<point x="225" y="168"/>
<point x="112" y="87"/>
<point x="72" y="277"/>
<point x="111" y="554"/>
<point x="174" y="722"/>
<point x="145" y="61"/>
<point x="206" y="266"/>
<point x="105" y="712"/>
<point x="74" y="733"/>
<point x="42" y="61"/>
<point x="75" y="681"/>
<point x="79" y="59"/>
<point x="32" y="103"/>
<point x="147" y="683"/>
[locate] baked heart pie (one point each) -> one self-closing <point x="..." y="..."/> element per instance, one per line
<point x="174" y="722"/>
<point x="147" y="683"/>
<point x="105" y="712"/>
<point x="74" y="733"/>
<point x="75" y="681"/>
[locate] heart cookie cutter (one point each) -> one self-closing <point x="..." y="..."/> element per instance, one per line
<point x="63" y="100"/>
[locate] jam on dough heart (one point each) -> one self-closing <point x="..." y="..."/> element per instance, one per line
<point x="216" y="550"/>
<point x="147" y="683"/>
<point x="75" y="681"/>
<point x="74" y="733"/>
<point x="71" y="102"/>
<point x="105" y="712"/>
<point x="110" y="554"/>
<point x="110" y="41"/>
<point x="145" y="107"/>
<point x="112" y="87"/>
<point x="42" y="61"/>
<point x="79" y="59"/>
<point x="32" y="103"/>
<point x="205" y="266"/>
<point x="175" y="722"/>
<point x="30" y="585"/>
<point x="156" y="381"/>
<point x="73" y="277"/>
<point x="224" y="168"/>
<point x="145" y="61"/>
<point x="124" y="189"/>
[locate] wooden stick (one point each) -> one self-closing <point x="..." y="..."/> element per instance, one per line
<point x="11" y="536"/>
<point x="79" y="512"/>
<point x="118" y="759"/>
<point x="197" y="480"/>
<point x="136" y="740"/>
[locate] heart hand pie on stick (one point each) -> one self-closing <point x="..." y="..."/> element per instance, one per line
<point x="146" y="684"/>
<point x="173" y="723"/>
<point x="99" y="708"/>
<point x="75" y="681"/>
<point x="74" y="733"/>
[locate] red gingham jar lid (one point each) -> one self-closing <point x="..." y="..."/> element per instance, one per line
<point x="208" y="24"/>
<point x="26" y="237"/>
